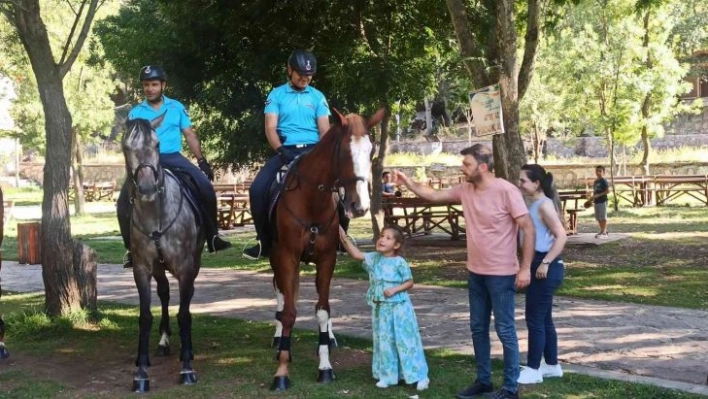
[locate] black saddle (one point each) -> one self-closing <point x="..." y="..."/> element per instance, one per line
<point x="191" y="193"/>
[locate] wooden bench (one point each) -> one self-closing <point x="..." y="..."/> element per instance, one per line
<point x="233" y="207"/>
<point x="418" y="217"/>
<point x="637" y="190"/>
<point x="99" y="191"/>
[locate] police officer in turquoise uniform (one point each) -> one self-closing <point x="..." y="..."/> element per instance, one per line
<point x="296" y="116"/>
<point x="175" y="124"/>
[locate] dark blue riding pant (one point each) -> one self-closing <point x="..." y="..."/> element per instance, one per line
<point x="170" y="161"/>
<point x="259" y="196"/>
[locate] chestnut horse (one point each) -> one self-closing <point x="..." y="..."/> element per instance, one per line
<point x="307" y="227"/>
<point x="4" y="354"/>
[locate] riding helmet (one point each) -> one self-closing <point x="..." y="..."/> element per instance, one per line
<point x="303" y="62"/>
<point x="151" y="72"/>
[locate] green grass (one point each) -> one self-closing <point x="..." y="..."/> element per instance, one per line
<point x="233" y="359"/>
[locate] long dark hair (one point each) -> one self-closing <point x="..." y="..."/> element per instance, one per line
<point x="536" y="173"/>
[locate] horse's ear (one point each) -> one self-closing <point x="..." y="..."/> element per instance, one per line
<point x="338" y="117"/>
<point x="155" y="123"/>
<point x="377" y="117"/>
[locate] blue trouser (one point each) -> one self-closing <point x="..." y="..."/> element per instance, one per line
<point x="259" y="197"/>
<point x="173" y="160"/>
<point x="496" y="294"/>
<point x="543" y="340"/>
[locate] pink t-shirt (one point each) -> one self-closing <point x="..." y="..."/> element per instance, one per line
<point x="490" y="227"/>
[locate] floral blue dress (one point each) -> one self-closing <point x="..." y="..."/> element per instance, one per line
<point x="398" y="348"/>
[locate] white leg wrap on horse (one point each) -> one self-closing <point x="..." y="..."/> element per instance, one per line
<point x="329" y="329"/>
<point x="164" y="340"/>
<point x="279" y="308"/>
<point x="324" y="357"/>
<point x="323" y="320"/>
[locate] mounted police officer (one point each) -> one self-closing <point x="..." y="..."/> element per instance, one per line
<point x="176" y="123"/>
<point x="296" y="117"/>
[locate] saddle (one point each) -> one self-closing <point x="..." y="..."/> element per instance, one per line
<point x="191" y="193"/>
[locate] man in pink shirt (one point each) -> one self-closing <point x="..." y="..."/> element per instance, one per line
<point x="494" y="212"/>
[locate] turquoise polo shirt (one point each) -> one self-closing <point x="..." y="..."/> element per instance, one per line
<point x="297" y="113"/>
<point x="170" y="130"/>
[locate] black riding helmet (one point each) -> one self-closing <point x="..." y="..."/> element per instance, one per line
<point x="303" y="62"/>
<point x="151" y="72"/>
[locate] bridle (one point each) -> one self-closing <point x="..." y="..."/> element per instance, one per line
<point x="159" y="175"/>
<point x="335" y="187"/>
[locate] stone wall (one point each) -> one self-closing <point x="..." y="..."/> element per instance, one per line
<point x="593" y="147"/>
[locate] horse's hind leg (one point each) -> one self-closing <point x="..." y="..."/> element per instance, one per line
<point x="163" y="291"/>
<point x="141" y="383"/>
<point x="186" y="290"/>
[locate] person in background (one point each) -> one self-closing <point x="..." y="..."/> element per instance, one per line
<point x="389" y="189"/>
<point x="600" y="189"/>
<point x="547" y="271"/>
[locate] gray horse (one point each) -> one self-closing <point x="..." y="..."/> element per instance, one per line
<point x="165" y="236"/>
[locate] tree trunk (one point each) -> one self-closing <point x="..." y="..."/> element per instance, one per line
<point x="62" y="293"/>
<point x="647" y="101"/>
<point x="78" y="176"/>
<point x="377" y="167"/>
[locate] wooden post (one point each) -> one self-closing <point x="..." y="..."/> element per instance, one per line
<point x="29" y="249"/>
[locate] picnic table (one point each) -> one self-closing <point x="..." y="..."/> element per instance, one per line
<point x="233" y="207"/>
<point x="416" y="216"/>
<point x="670" y="187"/>
<point x="570" y="205"/>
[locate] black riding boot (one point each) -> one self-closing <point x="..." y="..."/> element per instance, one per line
<point x="214" y="242"/>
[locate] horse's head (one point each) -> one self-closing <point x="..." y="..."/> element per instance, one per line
<point x="355" y="160"/>
<point x="141" y="149"/>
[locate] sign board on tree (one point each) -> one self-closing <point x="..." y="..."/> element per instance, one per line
<point x="486" y="110"/>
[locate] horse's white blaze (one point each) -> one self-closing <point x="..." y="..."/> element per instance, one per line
<point x="164" y="340"/>
<point x="281" y="305"/>
<point x="324" y="322"/>
<point x="361" y="150"/>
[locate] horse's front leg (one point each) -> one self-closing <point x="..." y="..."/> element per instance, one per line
<point x="278" y="315"/>
<point x="286" y="276"/>
<point x="325" y="269"/>
<point x="141" y="383"/>
<point x="163" y="291"/>
<point x="186" y="290"/>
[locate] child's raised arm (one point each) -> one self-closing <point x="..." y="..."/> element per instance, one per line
<point x="352" y="250"/>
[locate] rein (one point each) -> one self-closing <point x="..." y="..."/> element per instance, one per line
<point x="315" y="228"/>
<point x="161" y="191"/>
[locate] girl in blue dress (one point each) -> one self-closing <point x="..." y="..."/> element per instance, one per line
<point x="398" y="348"/>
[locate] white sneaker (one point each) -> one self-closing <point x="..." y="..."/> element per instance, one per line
<point x="423" y="384"/>
<point x="381" y="384"/>
<point x="530" y="376"/>
<point x="549" y="371"/>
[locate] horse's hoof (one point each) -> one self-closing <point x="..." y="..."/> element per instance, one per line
<point x="325" y="376"/>
<point x="141" y="385"/>
<point x="188" y="377"/>
<point x="280" y="383"/>
<point x="276" y="342"/>
<point x="4" y="353"/>
<point x="163" y="350"/>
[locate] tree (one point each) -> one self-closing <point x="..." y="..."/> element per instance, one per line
<point x="62" y="291"/>
<point x="488" y="39"/>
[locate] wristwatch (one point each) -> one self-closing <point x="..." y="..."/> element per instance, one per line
<point x="546" y="262"/>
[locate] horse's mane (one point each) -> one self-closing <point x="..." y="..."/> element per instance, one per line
<point x="138" y="129"/>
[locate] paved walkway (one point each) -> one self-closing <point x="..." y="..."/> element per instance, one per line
<point x="659" y="345"/>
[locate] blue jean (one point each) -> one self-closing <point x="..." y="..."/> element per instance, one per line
<point x="496" y="294"/>
<point x="543" y="340"/>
